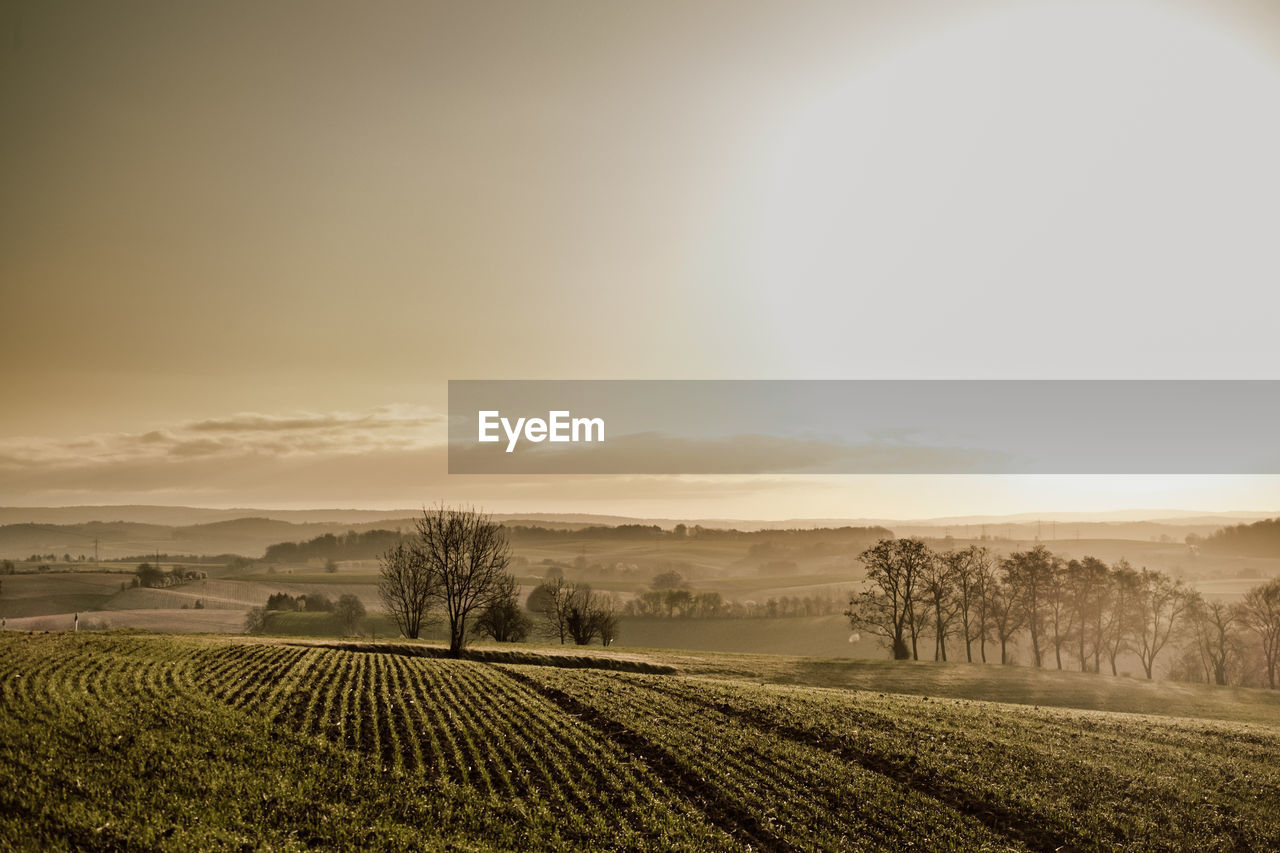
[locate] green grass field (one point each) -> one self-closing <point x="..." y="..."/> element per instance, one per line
<point x="140" y="741"/>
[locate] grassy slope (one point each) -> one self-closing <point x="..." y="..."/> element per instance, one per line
<point x="40" y="594"/>
<point x="816" y="636"/>
<point x="175" y="743"/>
<point x="1010" y="684"/>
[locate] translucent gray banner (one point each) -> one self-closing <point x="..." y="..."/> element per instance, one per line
<point x="864" y="427"/>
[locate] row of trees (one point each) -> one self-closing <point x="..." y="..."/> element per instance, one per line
<point x="687" y="604"/>
<point x="1229" y="640"/>
<point x="351" y="545"/>
<point x="1082" y="611"/>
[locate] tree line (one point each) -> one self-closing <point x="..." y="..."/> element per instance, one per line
<point x="1078" y="613"/>
<point x="670" y="598"/>
<point x="351" y="545"/>
<point x="1260" y="539"/>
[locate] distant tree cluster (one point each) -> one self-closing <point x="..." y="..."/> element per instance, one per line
<point x="788" y="546"/>
<point x="520" y="533"/>
<point x="314" y="602"/>
<point x="1235" y="643"/>
<point x="348" y="610"/>
<point x="232" y="560"/>
<point x="151" y="576"/>
<point x="456" y="566"/>
<point x="686" y="604"/>
<point x="809" y="541"/>
<point x="1079" y="609"/>
<point x="574" y="611"/>
<point x="333" y="547"/>
<point x="503" y="619"/>
<point x="154" y="576"/>
<point x="1260" y="539"/>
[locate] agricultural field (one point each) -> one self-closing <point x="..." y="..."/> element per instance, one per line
<point x="118" y="740"/>
<point x="44" y="594"/>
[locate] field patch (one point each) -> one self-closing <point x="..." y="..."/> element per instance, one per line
<point x="169" y="742"/>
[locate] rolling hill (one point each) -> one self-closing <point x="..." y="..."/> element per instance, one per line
<point x="170" y="743"/>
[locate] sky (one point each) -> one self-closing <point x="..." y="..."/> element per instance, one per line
<point x="244" y="246"/>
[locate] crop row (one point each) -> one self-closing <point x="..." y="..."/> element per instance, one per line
<point x="108" y="742"/>
<point x="39" y="683"/>
<point x="466" y="722"/>
<point x="788" y="794"/>
<point x="1151" y="783"/>
<point x="605" y="760"/>
<point x="1050" y="779"/>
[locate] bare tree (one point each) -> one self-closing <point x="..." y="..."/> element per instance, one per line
<point x="984" y="581"/>
<point x="348" y="610"/>
<point x="1005" y="612"/>
<point x="1086" y="591"/>
<point x="1119" y="613"/>
<point x="255" y="620"/>
<point x="407" y="587"/>
<point x="467" y="553"/>
<point x="503" y="619"/>
<point x="1214" y="626"/>
<point x="970" y="567"/>
<point x="1161" y="602"/>
<point x="887" y="606"/>
<point x="606" y="619"/>
<point x="590" y="614"/>
<point x="938" y="606"/>
<point x="551" y="601"/>
<point x="1029" y="573"/>
<point x="1057" y="601"/>
<point x="1260" y="611"/>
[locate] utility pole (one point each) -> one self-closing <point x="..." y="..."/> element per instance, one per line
<point x="96" y="562"/>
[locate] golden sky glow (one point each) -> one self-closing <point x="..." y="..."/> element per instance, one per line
<point x="319" y="211"/>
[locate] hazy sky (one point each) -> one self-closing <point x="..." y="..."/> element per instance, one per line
<point x="317" y="213"/>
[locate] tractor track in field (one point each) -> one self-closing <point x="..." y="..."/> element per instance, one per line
<point x="1004" y="822"/>
<point x="724" y="814"/>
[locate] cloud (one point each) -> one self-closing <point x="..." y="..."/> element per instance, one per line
<point x="398" y="455"/>
<point x="385" y="455"/>
<point x="381" y="418"/>
<point x="383" y="476"/>
<point x="242" y="436"/>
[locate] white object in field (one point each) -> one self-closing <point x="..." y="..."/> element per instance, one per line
<point x="855" y="637"/>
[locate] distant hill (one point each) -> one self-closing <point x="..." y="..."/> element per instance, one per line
<point x="245" y="536"/>
<point x="181" y="516"/>
<point x="123" y="531"/>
